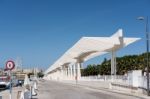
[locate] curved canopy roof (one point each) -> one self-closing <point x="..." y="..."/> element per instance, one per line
<point x="90" y="47"/>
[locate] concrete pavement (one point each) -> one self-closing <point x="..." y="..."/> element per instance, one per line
<point x="105" y="86"/>
<point x="58" y="90"/>
<point x="5" y="94"/>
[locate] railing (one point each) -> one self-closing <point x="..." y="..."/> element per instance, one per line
<point x="120" y="79"/>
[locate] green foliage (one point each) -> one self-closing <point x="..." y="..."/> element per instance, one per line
<point x="124" y="64"/>
<point x="40" y="74"/>
<point x="90" y="70"/>
<point x="29" y="74"/>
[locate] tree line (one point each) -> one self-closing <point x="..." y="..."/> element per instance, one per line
<point x="123" y="65"/>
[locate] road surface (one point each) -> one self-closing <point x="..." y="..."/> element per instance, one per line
<point x="57" y="90"/>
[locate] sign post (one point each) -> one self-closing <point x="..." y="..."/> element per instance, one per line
<point x="10" y="66"/>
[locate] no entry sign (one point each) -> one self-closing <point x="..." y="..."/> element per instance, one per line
<point x="10" y="65"/>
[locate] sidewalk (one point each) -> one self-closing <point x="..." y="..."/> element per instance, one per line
<point x="104" y="86"/>
<point x="5" y="94"/>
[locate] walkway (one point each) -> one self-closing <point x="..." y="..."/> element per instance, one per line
<point x="57" y="90"/>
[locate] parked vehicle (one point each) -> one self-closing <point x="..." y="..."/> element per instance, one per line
<point x="4" y="82"/>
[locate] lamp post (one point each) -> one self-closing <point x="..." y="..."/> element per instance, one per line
<point x="147" y="49"/>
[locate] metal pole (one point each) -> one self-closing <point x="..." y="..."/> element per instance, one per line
<point x="31" y="92"/>
<point x="147" y="51"/>
<point x="10" y="87"/>
<point x="147" y="48"/>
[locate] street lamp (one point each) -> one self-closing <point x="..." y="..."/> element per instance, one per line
<point x="147" y="49"/>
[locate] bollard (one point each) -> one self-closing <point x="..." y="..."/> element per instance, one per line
<point x="18" y="95"/>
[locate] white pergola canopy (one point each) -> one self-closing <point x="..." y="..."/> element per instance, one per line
<point x="90" y="47"/>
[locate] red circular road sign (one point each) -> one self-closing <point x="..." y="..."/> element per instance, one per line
<point x="10" y="65"/>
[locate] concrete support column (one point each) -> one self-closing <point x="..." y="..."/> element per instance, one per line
<point x="62" y="73"/>
<point x="74" y="71"/>
<point x="71" y="71"/>
<point x="59" y="74"/>
<point x="65" y="73"/>
<point x="113" y="66"/>
<point x="78" y="70"/>
<point x="113" y="63"/>
<point x="68" y="72"/>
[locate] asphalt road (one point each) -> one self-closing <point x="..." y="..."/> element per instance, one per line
<point x="57" y="90"/>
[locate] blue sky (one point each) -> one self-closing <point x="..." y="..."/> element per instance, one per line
<point x="40" y="31"/>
